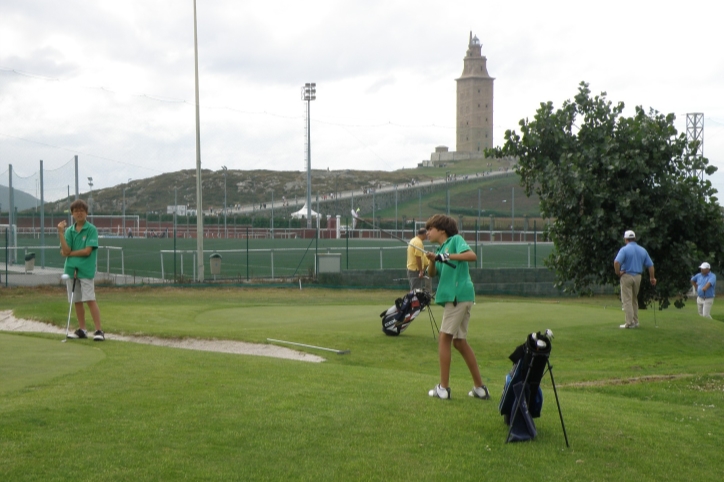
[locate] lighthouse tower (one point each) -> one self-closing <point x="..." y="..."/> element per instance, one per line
<point x="474" y="102"/>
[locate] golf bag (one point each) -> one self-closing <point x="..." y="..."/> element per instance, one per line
<point x="398" y="317"/>
<point x="522" y="398"/>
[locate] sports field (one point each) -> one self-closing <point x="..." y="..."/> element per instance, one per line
<point x="641" y="404"/>
<point x="269" y="258"/>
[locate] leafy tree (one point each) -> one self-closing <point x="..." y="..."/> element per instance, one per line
<point x="599" y="173"/>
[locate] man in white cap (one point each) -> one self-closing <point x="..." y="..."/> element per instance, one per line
<point x="629" y="264"/>
<point x="704" y="283"/>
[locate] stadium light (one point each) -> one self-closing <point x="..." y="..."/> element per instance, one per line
<point x="124" y="207"/>
<point x="226" y="232"/>
<point x="309" y="93"/>
<point x="90" y="184"/>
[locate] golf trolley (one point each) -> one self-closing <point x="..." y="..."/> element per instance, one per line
<point x="398" y="317"/>
<point x="522" y="398"/>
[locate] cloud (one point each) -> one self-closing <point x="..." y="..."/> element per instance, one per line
<point x="122" y="94"/>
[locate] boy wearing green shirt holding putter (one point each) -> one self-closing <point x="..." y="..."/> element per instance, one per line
<point x="456" y="293"/>
<point x="78" y="245"/>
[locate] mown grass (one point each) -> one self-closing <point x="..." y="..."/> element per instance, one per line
<point x="121" y="411"/>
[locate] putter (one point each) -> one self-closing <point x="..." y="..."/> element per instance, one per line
<point x="356" y="216"/>
<point x="65" y="277"/>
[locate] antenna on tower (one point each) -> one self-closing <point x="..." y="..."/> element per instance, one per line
<point x="695" y="133"/>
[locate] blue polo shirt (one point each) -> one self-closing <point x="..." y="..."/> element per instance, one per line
<point x="633" y="258"/>
<point x="701" y="280"/>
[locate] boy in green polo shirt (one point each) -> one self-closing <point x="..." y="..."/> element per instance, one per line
<point x="456" y="293"/>
<point x="78" y="245"/>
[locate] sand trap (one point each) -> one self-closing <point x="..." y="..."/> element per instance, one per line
<point x="9" y="323"/>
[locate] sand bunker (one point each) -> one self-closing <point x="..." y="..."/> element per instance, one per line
<point x="9" y="323"/>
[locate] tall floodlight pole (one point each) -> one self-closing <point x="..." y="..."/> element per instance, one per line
<point x="199" y="204"/>
<point x="309" y="93"/>
<point x="419" y="204"/>
<point x="90" y="184"/>
<point x="175" y="210"/>
<point x="226" y="232"/>
<point x="42" y="217"/>
<point x="395" y="207"/>
<point x="124" y="207"/>
<point x="512" y="215"/>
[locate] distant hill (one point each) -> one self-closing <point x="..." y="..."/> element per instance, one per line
<point x="254" y="187"/>
<point x="23" y="200"/>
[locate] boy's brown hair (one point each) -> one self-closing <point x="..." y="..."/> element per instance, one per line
<point x="79" y="204"/>
<point x="442" y="223"/>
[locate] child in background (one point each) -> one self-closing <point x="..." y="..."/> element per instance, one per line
<point x="78" y="245"/>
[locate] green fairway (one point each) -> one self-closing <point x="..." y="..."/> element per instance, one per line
<point x="640" y="404"/>
<point x="28" y="362"/>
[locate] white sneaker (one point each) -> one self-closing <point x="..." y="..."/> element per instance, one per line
<point x="440" y="392"/>
<point x="480" y="392"/>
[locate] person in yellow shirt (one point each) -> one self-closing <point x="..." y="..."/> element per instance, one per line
<point x="417" y="263"/>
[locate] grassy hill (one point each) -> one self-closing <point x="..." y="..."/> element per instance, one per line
<point x="254" y="187"/>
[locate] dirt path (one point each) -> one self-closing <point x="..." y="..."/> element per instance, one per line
<point x="9" y="323"/>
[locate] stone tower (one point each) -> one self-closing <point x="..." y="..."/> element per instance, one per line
<point x="474" y="102"/>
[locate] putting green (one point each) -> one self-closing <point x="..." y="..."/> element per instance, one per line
<point x="28" y="360"/>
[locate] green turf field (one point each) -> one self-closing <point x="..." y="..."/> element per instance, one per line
<point x="278" y="258"/>
<point x="640" y="404"/>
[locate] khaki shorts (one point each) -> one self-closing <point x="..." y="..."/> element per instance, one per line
<point x="455" y="319"/>
<point x="84" y="290"/>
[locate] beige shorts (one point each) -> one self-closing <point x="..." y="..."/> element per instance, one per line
<point x="455" y="319"/>
<point x="84" y="290"/>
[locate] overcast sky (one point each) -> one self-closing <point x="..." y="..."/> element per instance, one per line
<point x="113" y="81"/>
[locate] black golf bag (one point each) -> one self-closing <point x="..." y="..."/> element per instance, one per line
<point x="398" y="317"/>
<point x="522" y="398"/>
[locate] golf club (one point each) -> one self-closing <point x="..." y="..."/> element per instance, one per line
<point x="65" y="277"/>
<point x="356" y="216"/>
<point x="656" y="292"/>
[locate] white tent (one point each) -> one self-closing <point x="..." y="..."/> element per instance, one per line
<point x="302" y="213"/>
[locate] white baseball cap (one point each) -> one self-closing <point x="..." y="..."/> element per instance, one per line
<point x="705" y="266"/>
<point x="629" y="235"/>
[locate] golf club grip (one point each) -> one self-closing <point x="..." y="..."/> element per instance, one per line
<point x="450" y="264"/>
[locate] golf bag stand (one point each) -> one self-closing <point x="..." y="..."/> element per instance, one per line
<point x="522" y="398"/>
<point x="560" y="414"/>
<point x="399" y="316"/>
<point x="433" y="323"/>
